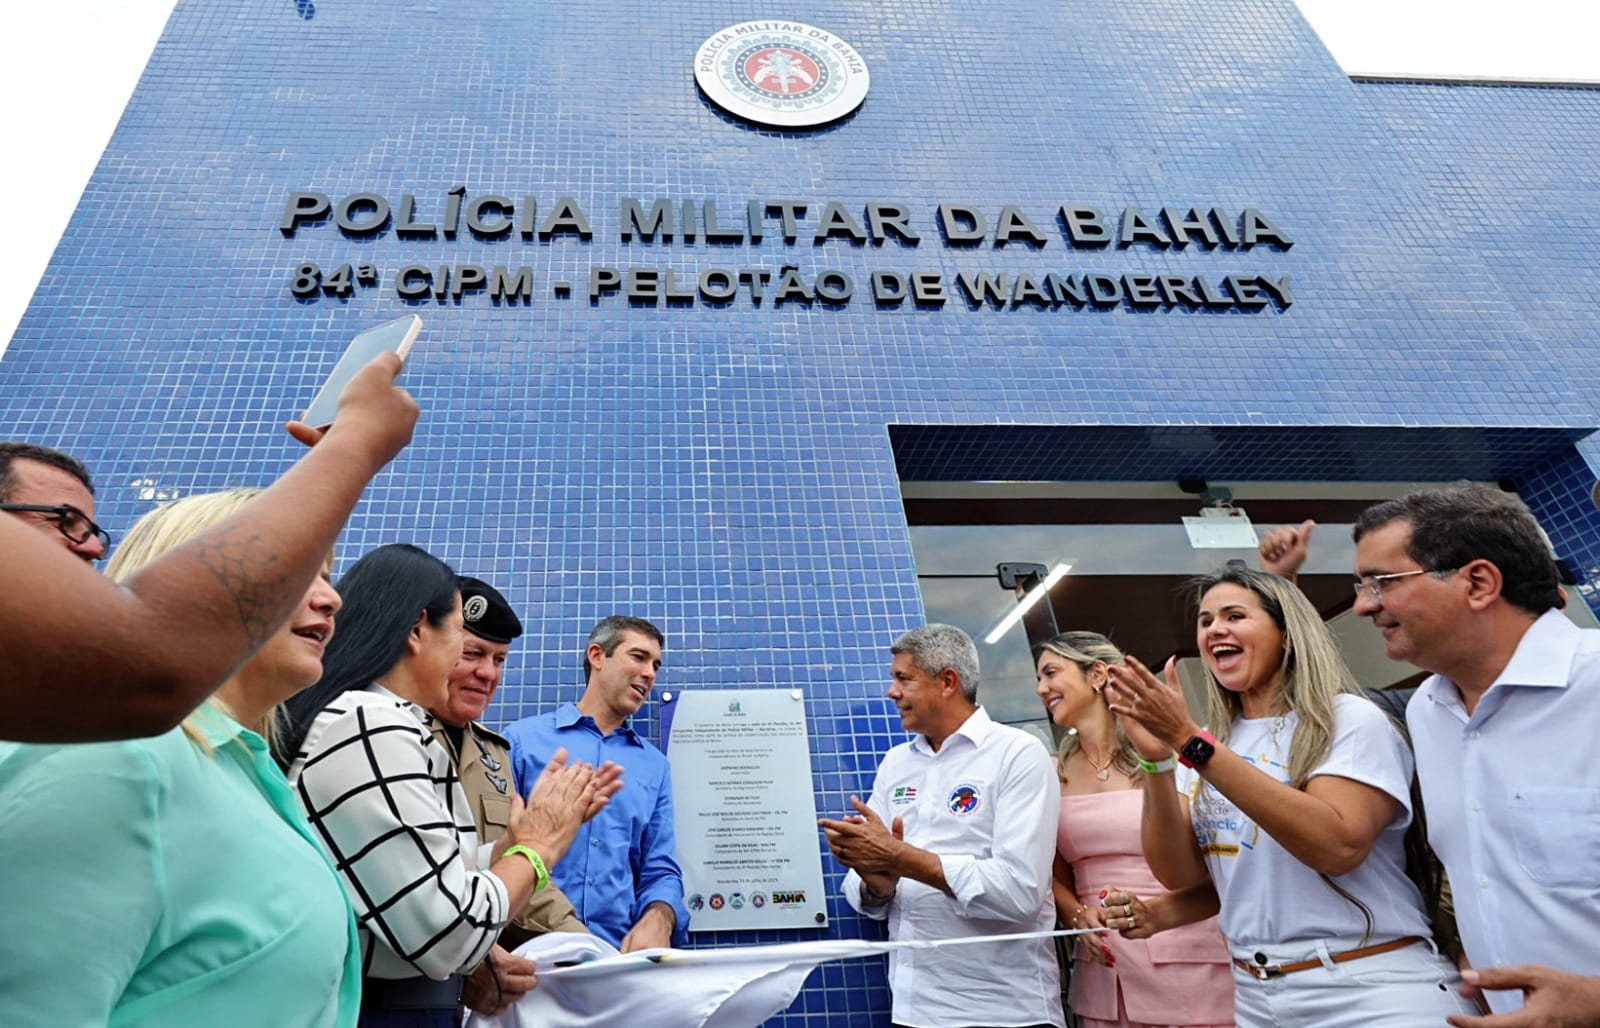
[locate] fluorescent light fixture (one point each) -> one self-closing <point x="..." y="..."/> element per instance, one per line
<point x="1024" y="605"/>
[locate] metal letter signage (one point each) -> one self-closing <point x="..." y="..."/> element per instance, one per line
<point x="781" y="73"/>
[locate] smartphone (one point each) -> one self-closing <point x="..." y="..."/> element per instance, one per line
<point x="396" y="335"/>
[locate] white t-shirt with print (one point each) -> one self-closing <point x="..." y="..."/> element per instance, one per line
<point x="1269" y="898"/>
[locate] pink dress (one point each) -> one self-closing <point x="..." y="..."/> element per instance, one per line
<point x="1177" y="977"/>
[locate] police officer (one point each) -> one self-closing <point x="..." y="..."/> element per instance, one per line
<point x="483" y="764"/>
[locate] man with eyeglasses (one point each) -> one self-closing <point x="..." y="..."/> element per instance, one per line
<point x="127" y="672"/>
<point x="52" y="492"/>
<point x="1461" y="582"/>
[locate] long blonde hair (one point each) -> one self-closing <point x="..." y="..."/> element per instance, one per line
<point x="168" y="527"/>
<point x="1314" y="674"/>
<point x="1086" y="649"/>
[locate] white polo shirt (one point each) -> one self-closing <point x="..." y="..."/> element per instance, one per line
<point x="986" y="803"/>
<point x="1513" y="802"/>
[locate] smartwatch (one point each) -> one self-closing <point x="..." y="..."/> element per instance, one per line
<point x="541" y="874"/>
<point x="1198" y="750"/>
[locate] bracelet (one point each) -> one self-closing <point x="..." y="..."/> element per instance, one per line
<point x="873" y="897"/>
<point x="541" y="874"/>
<point x="1158" y="767"/>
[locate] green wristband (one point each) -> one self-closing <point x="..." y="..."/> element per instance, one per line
<point x="1157" y="767"/>
<point x="541" y="874"/>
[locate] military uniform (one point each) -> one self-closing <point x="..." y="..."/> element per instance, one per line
<point x="484" y="768"/>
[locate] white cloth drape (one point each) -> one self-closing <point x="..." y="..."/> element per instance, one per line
<point x="669" y="988"/>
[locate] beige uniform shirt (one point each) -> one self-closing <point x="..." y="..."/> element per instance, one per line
<point x="484" y="768"/>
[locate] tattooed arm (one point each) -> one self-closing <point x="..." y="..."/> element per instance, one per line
<point x="82" y="659"/>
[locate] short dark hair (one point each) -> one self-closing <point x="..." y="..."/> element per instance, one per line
<point x="13" y="451"/>
<point x="1457" y="524"/>
<point x="608" y="633"/>
<point x="384" y="593"/>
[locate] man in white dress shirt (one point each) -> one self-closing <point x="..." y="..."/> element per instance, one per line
<point x="1461" y="583"/>
<point x="956" y="841"/>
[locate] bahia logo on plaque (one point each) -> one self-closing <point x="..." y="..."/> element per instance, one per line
<point x="781" y="73"/>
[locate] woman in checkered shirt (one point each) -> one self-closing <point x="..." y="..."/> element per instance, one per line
<point x="383" y="794"/>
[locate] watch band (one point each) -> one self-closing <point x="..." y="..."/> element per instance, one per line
<point x="1158" y="767"/>
<point x="541" y="874"/>
<point x="1198" y="749"/>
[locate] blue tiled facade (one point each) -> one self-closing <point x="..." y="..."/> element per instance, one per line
<point x="731" y="470"/>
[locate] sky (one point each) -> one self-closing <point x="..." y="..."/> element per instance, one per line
<point x="70" y="66"/>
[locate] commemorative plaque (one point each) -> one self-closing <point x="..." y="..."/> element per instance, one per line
<point x="745" y="815"/>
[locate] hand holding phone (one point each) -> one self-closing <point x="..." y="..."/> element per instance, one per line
<point x="394" y="336"/>
<point x="376" y="415"/>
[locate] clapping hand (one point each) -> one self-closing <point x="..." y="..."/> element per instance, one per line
<point x="1153" y="711"/>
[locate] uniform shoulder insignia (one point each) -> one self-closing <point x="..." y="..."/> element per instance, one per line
<point x="495" y="737"/>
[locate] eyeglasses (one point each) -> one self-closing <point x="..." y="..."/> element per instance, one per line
<point x="70" y="521"/>
<point x="1374" y="584"/>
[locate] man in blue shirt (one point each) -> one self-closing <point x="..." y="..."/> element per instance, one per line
<point x="620" y="873"/>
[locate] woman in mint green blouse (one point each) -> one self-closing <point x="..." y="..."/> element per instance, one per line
<point x="174" y="881"/>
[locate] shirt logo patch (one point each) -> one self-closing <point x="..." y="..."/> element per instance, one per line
<point x="964" y="800"/>
<point x="903" y="794"/>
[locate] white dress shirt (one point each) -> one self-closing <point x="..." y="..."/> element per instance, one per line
<point x="383" y="794"/>
<point x="985" y="803"/>
<point x="1513" y="802"/>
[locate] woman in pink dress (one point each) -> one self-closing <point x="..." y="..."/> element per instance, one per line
<point x="1173" y="968"/>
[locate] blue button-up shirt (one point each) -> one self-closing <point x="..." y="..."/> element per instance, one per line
<point x="1513" y="799"/>
<point x="623" y="860"/>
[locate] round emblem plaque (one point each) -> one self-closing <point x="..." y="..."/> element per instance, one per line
<point x="781" y="73"/>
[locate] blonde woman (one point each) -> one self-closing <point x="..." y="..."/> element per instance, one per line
<point x="174" y="880"/>
<point x="1140" y="978"/>
<point x="1296" y="810"/>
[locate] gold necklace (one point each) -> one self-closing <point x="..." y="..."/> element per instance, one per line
<point x="1102" y="773"/>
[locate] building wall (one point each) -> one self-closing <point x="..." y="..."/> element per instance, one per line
<point x="731" y="471"/>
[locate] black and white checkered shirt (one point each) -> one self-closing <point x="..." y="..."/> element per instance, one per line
<point x="383" y="794"/>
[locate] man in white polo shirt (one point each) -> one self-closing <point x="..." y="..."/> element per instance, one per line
<point x="1461" y="583"/>
<point x="955" y="841"/>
